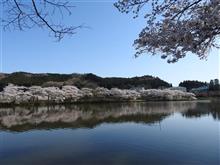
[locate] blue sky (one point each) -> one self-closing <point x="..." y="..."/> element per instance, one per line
<point x="104" y="49"/>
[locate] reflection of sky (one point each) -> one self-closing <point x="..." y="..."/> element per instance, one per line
<point x="177" y="139"/>
<point x="105" y="49"/>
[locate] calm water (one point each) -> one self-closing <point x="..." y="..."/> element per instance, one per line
<point x="126" y="133"/>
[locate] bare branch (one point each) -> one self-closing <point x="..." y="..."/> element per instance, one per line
<point x="185" y="8"/>
<point x="26" y="14"/>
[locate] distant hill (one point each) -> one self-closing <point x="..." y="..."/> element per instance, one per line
<point x="80" y="80"/>
<point x="189" y="84"/>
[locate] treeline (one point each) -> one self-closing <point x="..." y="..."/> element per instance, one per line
<point x="190" y="84"/>
<point x="81" y="80"/>
<point x="214" y="85"/>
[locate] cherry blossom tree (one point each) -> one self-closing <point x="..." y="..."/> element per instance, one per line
<point x="175" y="28"/>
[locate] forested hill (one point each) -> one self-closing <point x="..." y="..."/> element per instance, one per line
<point x="190" y="84"/>
<point x="80" y="80"/>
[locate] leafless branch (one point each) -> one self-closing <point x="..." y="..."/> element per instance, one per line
<point x="185" y="8"/>
<point x="25" y="14"/>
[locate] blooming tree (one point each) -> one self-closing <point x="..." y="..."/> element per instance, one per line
<point x="175" y="27"/>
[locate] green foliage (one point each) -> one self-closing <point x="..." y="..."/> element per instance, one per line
<point x="189" y="84"/>
<point x="81" y="80"/>
<point x="214" y="85"/>
<point x="126" y="83"/>
<point x="28" y="79"/>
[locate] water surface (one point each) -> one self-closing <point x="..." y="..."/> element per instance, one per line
<point x="112" y="133"/>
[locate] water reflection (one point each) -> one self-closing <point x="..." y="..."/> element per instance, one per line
<point x="203" y="108"/>
<point x="90" y="115"/>
<point x="187" y="134"/>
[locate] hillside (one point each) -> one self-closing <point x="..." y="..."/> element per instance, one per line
<point x="80" y="80"/>
<point x="190" y="84"/>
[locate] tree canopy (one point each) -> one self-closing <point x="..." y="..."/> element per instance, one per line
<point x="175" y="27"/>
<point x="189" y="84"/>
<point x="214" y="85"/>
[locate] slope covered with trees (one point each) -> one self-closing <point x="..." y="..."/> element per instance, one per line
<point x="189" y="84"/>
<point x="80" y="80"/>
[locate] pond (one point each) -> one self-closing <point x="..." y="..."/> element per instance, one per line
<point x="112" y="133"/>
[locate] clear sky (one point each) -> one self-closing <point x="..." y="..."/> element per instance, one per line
<point x="104" y="49"/>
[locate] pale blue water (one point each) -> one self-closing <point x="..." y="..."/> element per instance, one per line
<point x="140" y="133"/>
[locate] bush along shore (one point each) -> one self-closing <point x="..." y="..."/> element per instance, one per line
<point x="18" y="95"/>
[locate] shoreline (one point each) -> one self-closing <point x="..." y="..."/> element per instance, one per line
<point x="6" y="105"/>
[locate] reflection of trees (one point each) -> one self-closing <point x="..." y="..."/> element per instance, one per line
<point x="215" y="109"/>
<point x="90" y="115"/>
<point x="202" y="108"/>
